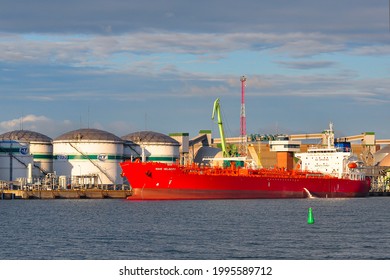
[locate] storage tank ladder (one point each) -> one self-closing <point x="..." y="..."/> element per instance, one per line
<point x="23" y="163"/>
<point x="94" y="163"/>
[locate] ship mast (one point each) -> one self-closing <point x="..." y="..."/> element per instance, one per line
<point x="329" y="137"/>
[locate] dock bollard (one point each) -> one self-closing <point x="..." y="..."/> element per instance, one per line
<point x="310" y="217"/>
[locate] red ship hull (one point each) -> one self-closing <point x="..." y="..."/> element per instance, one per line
<point x="160" y="181"/>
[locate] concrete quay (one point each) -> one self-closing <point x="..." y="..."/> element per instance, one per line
<point x="64" y="194"/>
<point x="377" y="193"/>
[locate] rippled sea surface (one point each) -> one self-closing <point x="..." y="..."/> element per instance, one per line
<point x="99" y="229"/>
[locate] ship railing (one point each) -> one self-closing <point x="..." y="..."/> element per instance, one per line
<point x="321" y="150"/>
<point x="316" y="175"/>
<point x="225" y="158"/>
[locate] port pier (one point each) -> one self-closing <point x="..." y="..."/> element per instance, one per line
<point x="64" y="194"/>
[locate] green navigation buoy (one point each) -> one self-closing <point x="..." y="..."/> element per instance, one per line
<point x="310" y="218"/>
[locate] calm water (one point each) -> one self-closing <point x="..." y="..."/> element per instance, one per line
<point x="224" y="229"/>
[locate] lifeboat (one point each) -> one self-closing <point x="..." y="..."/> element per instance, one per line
<point x="352" y="165"/>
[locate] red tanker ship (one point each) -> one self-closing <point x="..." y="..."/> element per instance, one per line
<point x="161" y="181"/>
<point x="324" y="172"/>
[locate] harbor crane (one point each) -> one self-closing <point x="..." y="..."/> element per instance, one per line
<point x="217" y="109"/>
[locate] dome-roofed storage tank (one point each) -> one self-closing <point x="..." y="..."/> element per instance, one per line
<point x="89" y="156"/>
<point x="151" y="146"/>
<point x="26" y="143"/>
<point x="15" y="159"/>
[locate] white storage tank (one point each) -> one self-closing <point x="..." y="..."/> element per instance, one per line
<point x="15" y="159"/>
<point x="151" y="146"/>
<point x="40" y="148"/>
<point x="89" y="153"/>
<point x="131" y="150"/>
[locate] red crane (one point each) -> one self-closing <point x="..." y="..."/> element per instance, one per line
<point x="243" y="118"/>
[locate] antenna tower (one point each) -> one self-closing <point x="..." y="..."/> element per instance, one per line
<point x="243" y="137"/>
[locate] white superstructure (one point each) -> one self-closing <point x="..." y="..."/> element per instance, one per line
<point x="282" y="143"/>
<point x="331" y="160"/>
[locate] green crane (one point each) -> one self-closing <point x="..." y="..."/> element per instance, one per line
<point x="217" y="108"/>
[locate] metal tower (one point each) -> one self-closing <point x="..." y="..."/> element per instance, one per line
<point x="243" y="137"/>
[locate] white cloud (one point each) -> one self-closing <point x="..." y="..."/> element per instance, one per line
<point x="41" y="124"/>
<point x="100" y="51"/>
<point x="372" y="50"/>
<point x="27" y="122"/>
<point x="306" y="65"/>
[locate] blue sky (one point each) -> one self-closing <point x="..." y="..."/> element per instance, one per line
<point x="125" y="66"/>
